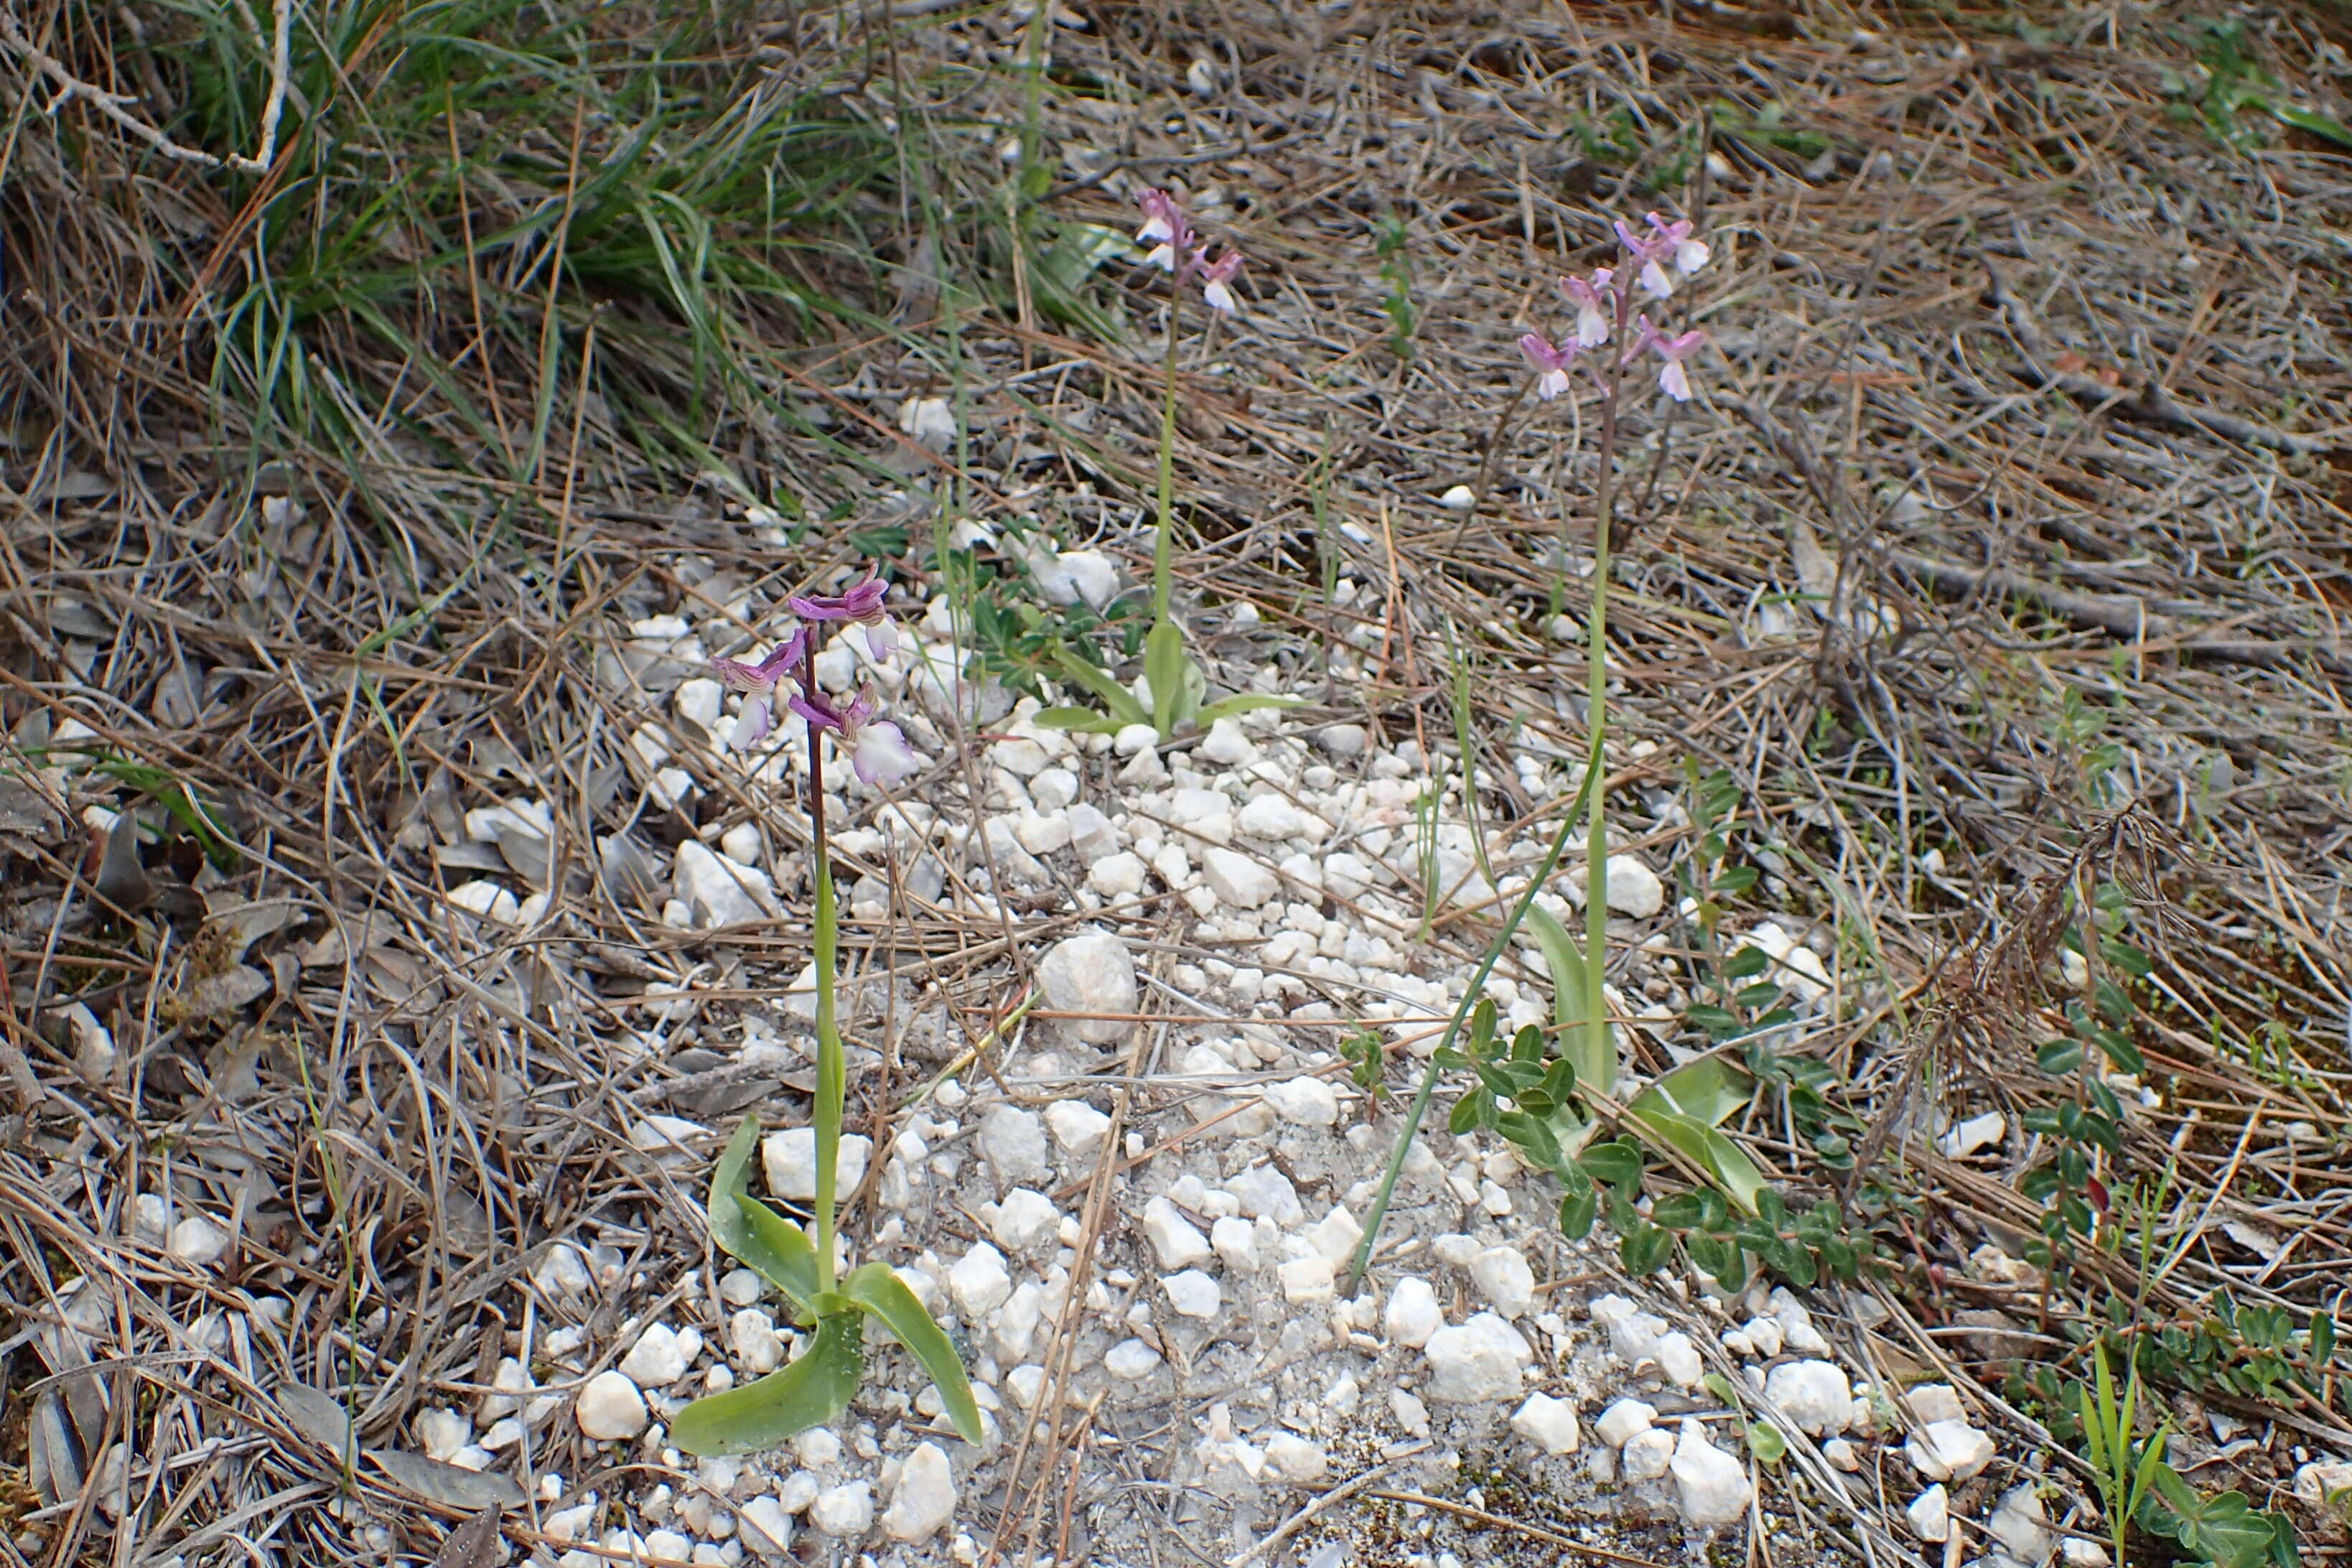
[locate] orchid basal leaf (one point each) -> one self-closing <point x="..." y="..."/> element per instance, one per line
<point x="765" y="1415"/>
<point x="1115" y="697"/>
<point x="1246" y="702"/>
<point x="749" y="1231"/>
<point x="1565" y="962"/>
<point x="1710" y="1091"/>
<point x="1732" y="1171"/>
<point x="1169" y="670"/>
<point x="879" y="1291"/>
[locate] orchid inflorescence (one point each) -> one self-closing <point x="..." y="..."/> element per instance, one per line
<point x="1655" y="259"/>
<point x="1172" y="236"/>
<point x="878" y="749"/>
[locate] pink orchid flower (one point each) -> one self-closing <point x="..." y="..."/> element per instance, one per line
<point x="1216" y="278"/>
<point x="1593" y="302"/>
<point x="1690" y="253"/>
<point x="1647" y="254"/>
<point x="1551" y="364"/>
<point x="758" y="682"/>
<point x="860" y="602"/>
<point x="878" y="749"/>
<point x="1673" y="379"/>
<point x="1166" y="227"/>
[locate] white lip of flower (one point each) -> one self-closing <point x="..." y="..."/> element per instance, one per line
<point x="1654" y="281"/>
<point x="882" y="757"/>
<point x="1690" y="254"/>
<point x="1219" y="298"/>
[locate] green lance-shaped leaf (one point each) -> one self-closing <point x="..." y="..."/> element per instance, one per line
<point x="765" y="1415"/>
<point x="1718" y="1156"/>
<point x="1167" y="667"/>
<point x="880" y="1292"/>
<point x="1095" y="678"/>
<point x="753" y="1233"/>
<point x="1084" y="720"/>
<point x="1566" y="963"/>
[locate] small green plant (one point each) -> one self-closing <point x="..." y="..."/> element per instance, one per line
<point x="2122" y="1468"/>
<point x="799" y="1260"/>
<point x="1391" y="242"/>
<point x="2226" y="82"/>
<point x="1177" y="687"/>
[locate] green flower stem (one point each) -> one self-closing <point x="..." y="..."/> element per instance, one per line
<point x="1596" y="648"/>
<point x="1470" y="995"/>
<point x="1163" y="546"/>
<point x="832" y="1074"/>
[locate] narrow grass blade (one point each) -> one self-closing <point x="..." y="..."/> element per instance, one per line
<point x="765" y="1414"/>
<point x="881" y="1292"/>
<point x="751" y="1232"/>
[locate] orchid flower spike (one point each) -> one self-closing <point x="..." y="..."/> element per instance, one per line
<point x="1643" y="335"/>
<point x="1673" y="379"/>
<point x="878" y="747"/>
<point x="1166" y="228"/>
<point x="758" y="682"/>
<point x="1593" y="302"/>
<point x="1690" y="253"/>
<point x="1217" y="277"/>
<point x="860" y="602"/>
<point x="1551" y="364"/>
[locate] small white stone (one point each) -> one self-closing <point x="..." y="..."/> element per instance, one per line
<point x="1930" y="1514"/>
<point x="788" y="1158"/>
<point x="2078" y="1552"/>
<point x="741" y="843"/>
<point x="197" y="1241"/>
<point x="1932" y="1401"/>
<point x="979" y="1283"/>
<point x="1550" y="1424"/>
<point x="1634" y="889"/>
<point x="1713" y="1486"/>
<point x="1235" y="1241"/>
<point x="1306" y="1281"/>
<point x="443" y="1432"/>
<point x="1297" y="1460"/>
<point x="1345" y="876"/>
<point x="1193" y="1294"/>
<point x="932" y="422"/>
<point x="1476" y="1361"/>
<point x="1977" y="1132"/>
<point x="1091" y="973"/>
<point x="610" y="1408"/>
<point x="491" y="901"/>
<point x="1501" y="1275"/>
<point x="1077" y="1127"/>
<point x="1012" y="1141"/>
<point x="752" y="1333"/>
<point x="717" y="891"/>
<point x="1238" y="881"/>
<point x="1303" y="1102"/>
<point x="1624" y="1421"/>
<point x="1176" y="1240"/>
<point x="151" y="1217"/>
<point x="2022" y="1527"/>
<point x="1413" y="1312"/>
<point x="1461" y="498"/>
<point x="1132" y="1360"/>
<point x="1648" y="1456"/>
<point x="1271" y="817"/>
<point x="1335" y="1236"/>
<point x="1411" y="1414"/>
<point x="1948" y="1450"/>
<point x="1678" y="1358"/>
<point x="1133" y="739"/>
<point x="1813" y="1394"/>
<point x="741" y="1287"/>
<point x="1227" y="745"/>
<point x="1024" y="1218"/>
<point x="1118" y="876"/>
<point x="1763" y="1335"/>
<point x="847" y="1509"/>
<point x="1842" y="1455"/>
<point x="657" y="1360"/>
<point x="922" y="1502"/>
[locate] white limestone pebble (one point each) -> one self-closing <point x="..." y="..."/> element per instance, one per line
<point x="1117" y="876"/>
<point x="1077" y="1127"/>
<point x="1461" y="498"/>
<point x="1294" y="1459"/>
<point x="979" y="1283"/>
<point x="1335" y="1235"/>
<point x="1813" y="1394"/>
<point x="1948" y="1451"/>
<point x="923" y="1501"/>
<point x="1235" y="1241"/>
<point x="1024" y="1219"/>
<point x="1091" y="973"/>
<point x="1711" y="1485"/>
<point x="1501" y="1275"/>
<point x="1678" y="1358"/>
<point x="1648" y="1456"/>
<point x="1264" y="1192"/>
<point x="764" y="1528"/>
<point x="490" y="901"/>
<point x="717" y="891"/>
<point x="1193" y="1294"/>
<point x="1930" y="1514"/>
<point x="1933" y="1401"/>
<point x="2022" y="1527"/>
<point x="1012" y="1142"/>
<point x="1634" y="889"/>
<point x="1175" y="1240"/>
<point x="757" y="1345"/>
<point x="1346" y="876"/>
<point x="1227" y="745"/>
<point x="1132" y="1360"/>
<point x="1481" y="1360"/>
<point x="610" y="1408"/>
<point x="1238" y="881"/>
<point x="197" y="1241"/>
<point x="844" y="1511"/>
<point x="1842" y="1455"/>
<point x="1413" y="1312"/>
<point x="788" y="1160"/>
<point x="1624" y="1421"/>
<point x="1303" y="1102"/>
<point x="443" y="1432"/>
<point x="1550" y="1424"/>
<point x="1306" y="1281"/>
<point x="1271" y="817"/>
<point x="658" y="1358"/>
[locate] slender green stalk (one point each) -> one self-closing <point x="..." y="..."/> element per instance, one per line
<point x="1470" y="995"/>
<point x="1163" y="546"/>
<point x="832" y="1073"/>
<point x="1596" y="650"/>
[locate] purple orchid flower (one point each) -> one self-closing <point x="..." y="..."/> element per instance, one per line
<point x="1551" y="364"/>
<point x="878" y="749"/>
<point x="1673" y="379"/>
<point x="1643" y="335"/>
<point x="1593" y="302"/>
<point x="860" y="602"/>
<point x="1216" y="278"/>
<point x="1169" y="230"/>
<point x="1690" y="253"/>
<point x="758" y="682"/>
